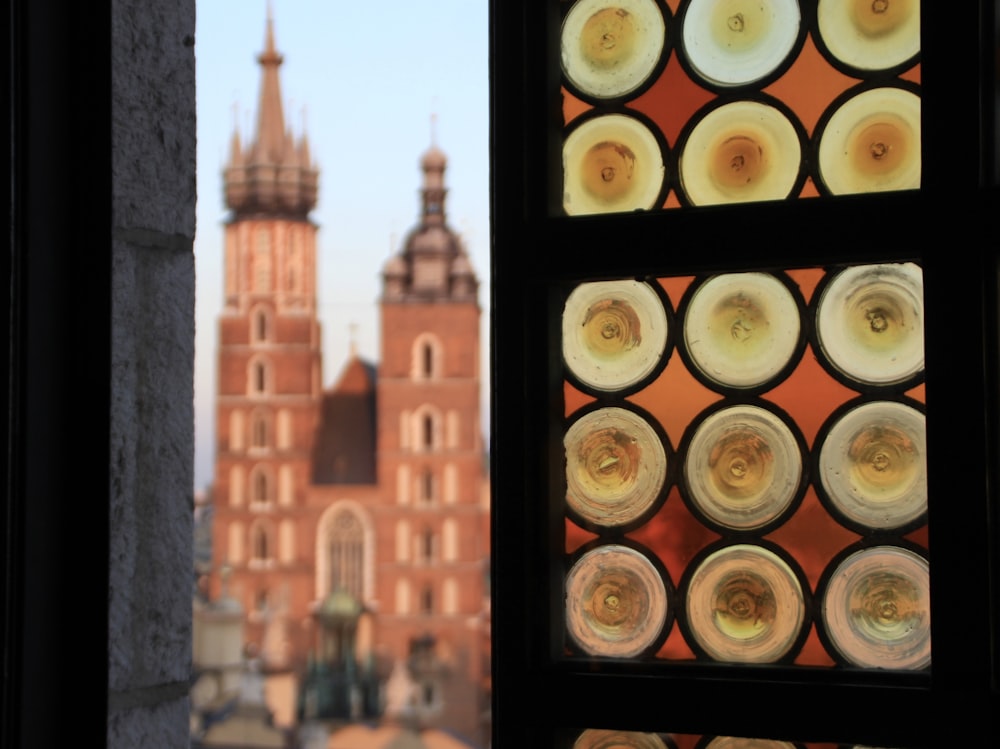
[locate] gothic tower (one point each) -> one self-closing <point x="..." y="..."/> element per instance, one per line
<point x="432" y="580"/>
<point x="269" y="366"/>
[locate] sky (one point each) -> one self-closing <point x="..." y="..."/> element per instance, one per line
<point x="371" y="86"/>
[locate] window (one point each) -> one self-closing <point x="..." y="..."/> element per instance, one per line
<point x="427" y="355"/>
<point x="260" y="543"/>
<point x="260" y="324"/>
<point x="428" y="486"/>
<point x="426" y="423"/>
<point x="538" y="398"/>
<point x="427" y="599"/>
<point x="260" y="437"/>
<point x="261" y="485"/>
<point x="258" y="376"/>
<point x="346" y="554"/>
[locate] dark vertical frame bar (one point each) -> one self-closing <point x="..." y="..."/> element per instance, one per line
<point x="58" y="400"/>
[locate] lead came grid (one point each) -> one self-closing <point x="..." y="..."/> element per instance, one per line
<point x="746" y="468"/>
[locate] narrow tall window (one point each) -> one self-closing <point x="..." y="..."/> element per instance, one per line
<point x="258" y="375"/>
<point x="259" y="436"/>
<point x="260" y="544"/>
<point x="427" y="545"/>
<point x="260" y="486"/>
<point x="260" y="325"/>
<point x="427" y="356"/>
<point x="427" y="426"/>
<point x="427" y="485"/>
<point x="347" y="554"/>
<point x="427" y="599"/>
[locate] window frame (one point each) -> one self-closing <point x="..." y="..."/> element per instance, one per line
<point x="528" y="290"/>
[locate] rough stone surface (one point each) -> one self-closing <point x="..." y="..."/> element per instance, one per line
<point x="153" y="115"/>
<point x="163" y="726"/>
<point x="151" y="466"/>
<point x="152" y="386"/>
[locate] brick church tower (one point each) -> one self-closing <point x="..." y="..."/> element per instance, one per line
<point x="353" y="519"/>
<point x="269" y="359"/>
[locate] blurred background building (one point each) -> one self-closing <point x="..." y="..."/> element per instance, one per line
<point x="350" y="523"/>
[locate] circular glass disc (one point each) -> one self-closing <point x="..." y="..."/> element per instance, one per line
<point x="741" y="329"/>
<point x="873" y="464"/>
<point x="870" y="34"/>
<point x="610" y="47"/>
<point x="872" y="143"/>
<point x="870" y="322"/>
<point x="745" y="605"/>
<point x="736" y="42"/>
<point x="614" y="333"/>
<point x="616" y="602"/>
<point x="876" y="609"/>
<point x="733" y="742"/>
<point x="611" y="164"/>
<point x="615" y="466"/>
<point x="740" y="152"/>
<point x="743" y="467"/>
<point x="600" y="739"/>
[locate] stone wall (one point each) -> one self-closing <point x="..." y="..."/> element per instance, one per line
<point x="152" y="417"/>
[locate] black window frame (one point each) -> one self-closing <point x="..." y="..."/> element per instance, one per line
<point x="539" y="255"/>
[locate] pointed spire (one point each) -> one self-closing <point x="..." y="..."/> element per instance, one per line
<point x="273" y="172"/>
<point x="270" y="112"/>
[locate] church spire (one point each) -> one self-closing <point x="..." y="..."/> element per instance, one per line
<point x="273" y="173"/>
<point x="270" y="111"/>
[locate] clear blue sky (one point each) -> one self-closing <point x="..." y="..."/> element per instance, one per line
<point x="363" y="81"/>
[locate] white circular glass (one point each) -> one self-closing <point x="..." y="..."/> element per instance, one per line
<point x="616" y="602"/>
<point x="872" y="143"/>
<point x="601" y="739"/>
<point x="870" y="322"/>
<point x="873" y="464"/>
<point x="741" y="329"/>
<point x="610" y="47"/>
<point x="616" y="466"/>
<point x="614" y="333"/>
<point x="876" y="609"/>
<point x="611" y="164"/>
<point x="737" y="42"/>
<point x="734" y="742"/>
<point x="870" y="34"/>
<point x="743" y="151"/>
<point x="745" y="605"/>
<point x="743" y="467"/>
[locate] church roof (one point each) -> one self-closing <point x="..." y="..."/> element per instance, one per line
<point x="344" y="451"/>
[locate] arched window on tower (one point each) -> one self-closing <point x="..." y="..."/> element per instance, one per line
<point x="258" y="376"/>
<point x="260" y="325"/>
<point x="427" y="545"/>
<point x="260" y="544"/>
<point x="427" y="424"/>
<point x="260" y="430"/>
<point x="346" y="549"/>
<point x="261" y="486"/>
<point x="427" y="356"/>
<point x="427" y="599"/>
<point x="428" y="488"/>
